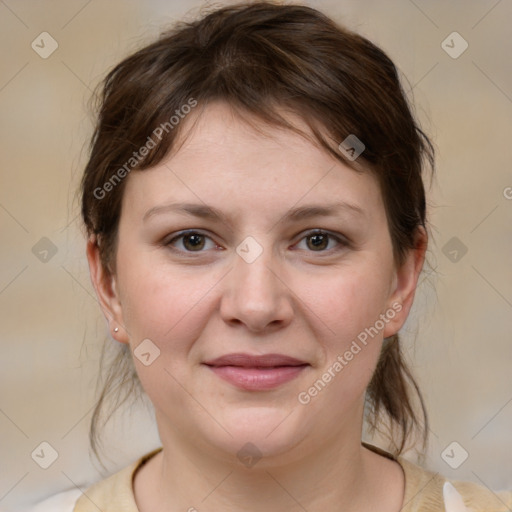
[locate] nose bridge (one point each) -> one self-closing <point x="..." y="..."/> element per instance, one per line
<point x="253" y="275"/>
<point x="255" y="294"/>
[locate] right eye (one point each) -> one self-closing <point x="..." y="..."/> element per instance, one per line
<point x="191" y="240"/>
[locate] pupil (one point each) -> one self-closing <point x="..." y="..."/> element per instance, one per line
<point x="195" y="244"/>
<point x="318" y="240"/>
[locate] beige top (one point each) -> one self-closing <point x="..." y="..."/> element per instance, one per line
<point x="423" y="490"/>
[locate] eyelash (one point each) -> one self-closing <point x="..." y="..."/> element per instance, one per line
<point x="340" y="240"/>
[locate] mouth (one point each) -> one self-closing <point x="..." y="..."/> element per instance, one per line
<point x="256" y="361"/>
<point x="257" y="373"/>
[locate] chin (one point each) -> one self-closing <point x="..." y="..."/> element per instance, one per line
<point x="258" y="432"/>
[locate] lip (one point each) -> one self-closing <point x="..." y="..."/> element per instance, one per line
<point x="250" y="361"/>
<point x="257" y="373"/>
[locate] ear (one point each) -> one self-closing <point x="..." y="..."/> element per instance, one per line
<point x="105" y="285"/>
<point x="404" y="284"/>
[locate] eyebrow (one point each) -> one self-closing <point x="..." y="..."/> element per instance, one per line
<point x="294" y="214"/>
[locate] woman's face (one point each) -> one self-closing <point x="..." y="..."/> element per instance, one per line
<point x="256" y="281"/>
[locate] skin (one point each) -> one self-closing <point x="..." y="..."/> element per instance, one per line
<point x="294" y="299"/>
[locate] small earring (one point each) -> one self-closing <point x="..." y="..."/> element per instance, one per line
<point x="116" y="329"/>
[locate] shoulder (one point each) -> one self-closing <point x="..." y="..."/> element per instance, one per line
<point x="426" y="490"/>
<point x="61" y="502"/>
<point x="114" y="493"/>
<point x="483" y="499"/>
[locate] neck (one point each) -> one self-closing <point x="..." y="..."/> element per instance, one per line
<point x="338" y="474"/>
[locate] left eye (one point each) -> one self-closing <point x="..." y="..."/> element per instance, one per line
<point x="194" y="241"/>
<point x="319" y="239"/>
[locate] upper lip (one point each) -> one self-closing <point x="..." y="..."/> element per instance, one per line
<point x="249" y="361"/>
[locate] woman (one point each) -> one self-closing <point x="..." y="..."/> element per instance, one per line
<point x="256" y="228"/>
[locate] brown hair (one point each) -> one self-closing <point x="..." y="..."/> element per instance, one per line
<point x="262" y="58"/>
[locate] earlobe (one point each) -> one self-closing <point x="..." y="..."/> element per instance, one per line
<point x="105" y="286"/>
<point x="405" y="280"/>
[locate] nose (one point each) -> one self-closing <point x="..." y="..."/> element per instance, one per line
<point x="256" y="294"/>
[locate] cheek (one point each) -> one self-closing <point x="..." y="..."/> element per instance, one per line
<point x="347" y="308"/>
<point x="347" y="302"/>
<point x="163" y="304"/>
<point x="171" y="308"/>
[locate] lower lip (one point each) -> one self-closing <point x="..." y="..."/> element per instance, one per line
<point x="257" y="379"/>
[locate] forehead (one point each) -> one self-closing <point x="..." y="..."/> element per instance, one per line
<point x="222" y="158"/>
<point x="219" y="130"/>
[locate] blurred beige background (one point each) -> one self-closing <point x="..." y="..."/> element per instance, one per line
<point x="51" y="328"/>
